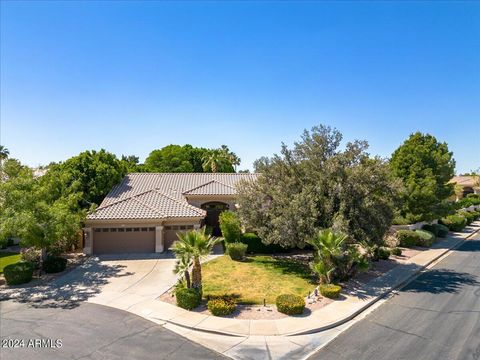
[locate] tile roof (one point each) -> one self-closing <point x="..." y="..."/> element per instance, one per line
<point x="212" y="187"/>
<point x="465" y="180"/>
<point x="161" y="195"/>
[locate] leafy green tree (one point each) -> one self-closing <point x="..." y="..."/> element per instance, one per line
<point x="230" y="226"/>
<point x="171" y="158"/>
<point x="194" y="245"/>
<point x="30" y="210"/>
<point x="316" y="185"/>
<point x="131" y="163"/>
<point x="91" y="173"/>
<point x="425" y="166"/>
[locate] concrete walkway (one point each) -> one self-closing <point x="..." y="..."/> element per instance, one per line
<point x="332" y="315"/>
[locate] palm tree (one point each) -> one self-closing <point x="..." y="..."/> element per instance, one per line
<point x="195" y="245"/>
<point x="211" y="160"/>
<point x="182" y="268"/>
<point x="3" y="153"/>
<point x="329" y="246"/>
<point x="229" y="156"/>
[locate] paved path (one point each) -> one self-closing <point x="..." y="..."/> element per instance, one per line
<point x="436" y="317"/>
<point x="92" y="331"/>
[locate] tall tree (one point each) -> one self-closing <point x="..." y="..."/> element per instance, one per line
<point x="316" y="185"/>
<point x="92" y="173"/>
<point x="4" y="153"/>
<point x="425" y="167"/>
<point x="171" y="158"/>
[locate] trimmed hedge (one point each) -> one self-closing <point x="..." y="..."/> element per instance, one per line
<point x="454" y="222"/>
<point x="470" y="216"/>
<point x="54" y="264"/>
<point x="396" y="251"/>
<point x="290" y="304"/>
<point x="18" y="273"/>
<point x="331" y="291"/>
<point x="438" y="230"/>
<point x="407" y="238"/>
<point x="188" y="298"/>
<point x="221" y="306"/>
<point x="256" y="246"/>
<point x="426" y="238"/>
<point x="237" y="251"/>
<point x="383" y="253"/>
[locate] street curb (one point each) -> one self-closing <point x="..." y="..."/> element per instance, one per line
<point x="378" y="298"/>
<point x="345" y="319"/>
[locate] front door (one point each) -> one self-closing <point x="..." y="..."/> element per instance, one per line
<point x="213" y="212"/>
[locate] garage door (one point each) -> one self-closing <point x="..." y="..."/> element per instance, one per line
<point x="170" y="233"/>
<point x="123" y="240"/>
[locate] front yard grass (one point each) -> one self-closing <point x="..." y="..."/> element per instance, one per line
<point x="257" y="278"/>
<point x="7" y="258"/>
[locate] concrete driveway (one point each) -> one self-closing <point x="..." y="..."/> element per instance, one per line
<point x="119" y="282"/>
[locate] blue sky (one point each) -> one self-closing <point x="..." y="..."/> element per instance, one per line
<point x="135" y="76"/>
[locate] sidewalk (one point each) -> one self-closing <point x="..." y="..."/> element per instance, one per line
<point x="332" y="315"/>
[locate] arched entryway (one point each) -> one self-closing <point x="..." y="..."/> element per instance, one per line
<point x="214" y="209"/>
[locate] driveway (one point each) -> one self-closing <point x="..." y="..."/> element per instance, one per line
<point x="90" y="331"/>
<point x="115" y="281"/>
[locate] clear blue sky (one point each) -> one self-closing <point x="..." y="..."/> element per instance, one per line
<point x="134" y="76"/>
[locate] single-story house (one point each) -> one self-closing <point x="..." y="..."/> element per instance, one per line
<point x="467" y="184"/>
<point x="145" y="211"/>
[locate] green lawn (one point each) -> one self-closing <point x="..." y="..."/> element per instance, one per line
<point x="257" y="278"/>
<point x="7" y="258"/>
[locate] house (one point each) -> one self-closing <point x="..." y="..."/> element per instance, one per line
<point x="466" y="184"/>
<point x="145" y="211"/>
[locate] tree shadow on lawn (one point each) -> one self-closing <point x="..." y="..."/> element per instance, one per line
<point x="67" y="291"/>
<point x="287" y="266"/>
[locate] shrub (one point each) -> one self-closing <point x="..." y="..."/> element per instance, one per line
<point x="54" y="264"/>
<point x="407" y="238"/>
<point x="467" y="215"/>
<point x="398" y="220"/>
<point x="330" y="290"/>
<point x="256" y="246"/>
<point x="221" y="306"/>
<point x="383" y="253"/>
<point x="290" y="304"/>
<point x="396" y="251"/>
<point x="32" y="255"/>
<point x="236" y="251"/>
<point x="230" y="227"/>
<point x="442" y="230"/>
<point x="454" y="222"/>
<point x="187" y="298"/>
<point x="18" y="273"/>
<point x="426" y="238"/>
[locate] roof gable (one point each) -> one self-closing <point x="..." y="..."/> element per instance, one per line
<point x="213" y="187"/>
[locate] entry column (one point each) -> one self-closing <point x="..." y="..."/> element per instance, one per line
<point x="159" y="247"/>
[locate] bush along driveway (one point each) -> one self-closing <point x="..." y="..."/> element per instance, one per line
<point x="332" y="315"/>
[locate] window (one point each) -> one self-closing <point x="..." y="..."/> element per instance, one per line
<point x="144" y="229"/>
<point x="182" y="227"/>
<point x="105" y="230"/>
<point x="189" y="227"/>
<point x="136" y="229"/>
<point x="168" y="228"/>
<point x="97" y="230"/>
<point x="128" y="229"/>
<point x="121" y="230"/>
<point x="113" y="229"/>
<point x="151" y="229"/>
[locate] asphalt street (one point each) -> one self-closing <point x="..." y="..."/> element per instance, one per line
<point x="88" y="331"/>
<point x="436" y="316"/>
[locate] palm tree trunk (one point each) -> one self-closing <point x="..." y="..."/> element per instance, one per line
<point x="187" y="279"/>
<point x="197" y="274"/>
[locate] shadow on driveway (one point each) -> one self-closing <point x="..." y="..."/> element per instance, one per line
<point x="437" y="281"/>
<point x="69" y="290"/>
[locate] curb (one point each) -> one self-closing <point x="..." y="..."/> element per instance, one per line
<point x="345" y="319"/>
<point x="378" y="298"/>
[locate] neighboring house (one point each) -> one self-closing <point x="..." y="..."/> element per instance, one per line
<point x="145" y="211"/>
<point x="466" y="184"/>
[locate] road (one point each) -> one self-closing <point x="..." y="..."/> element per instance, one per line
<point x="436" y="316"/>
<point x="90" y="331"/>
